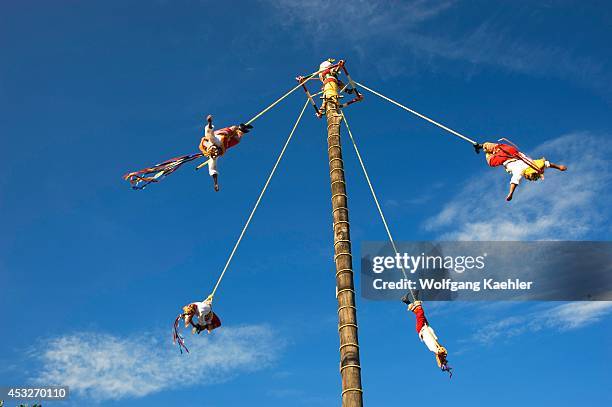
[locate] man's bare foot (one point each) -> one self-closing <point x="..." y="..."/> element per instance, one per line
<point x="216" y="187"/>
<point x="509" y="197"/>
<point x="558" y="167"/>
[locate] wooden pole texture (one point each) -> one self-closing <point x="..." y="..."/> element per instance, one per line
<point x="350" y="367"/>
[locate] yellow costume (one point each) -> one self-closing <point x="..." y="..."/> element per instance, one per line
<point x="531" y="174"/>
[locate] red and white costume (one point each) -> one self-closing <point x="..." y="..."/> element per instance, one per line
<point x="202" y="310"/>
<point x="499" y="154"/>
<point x="510" y="157"/>
<point x="426" y="333"/>
<point x="223" y="139"/>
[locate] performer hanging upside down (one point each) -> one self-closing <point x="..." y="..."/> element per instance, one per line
<point x="206" y="318"/>
<point x="215" y="143"/>
<point x="517" y="164"/>
<point x="427" y="334"/>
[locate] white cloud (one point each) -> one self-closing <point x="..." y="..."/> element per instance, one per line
<point x="565" y="206"/>
<point x="357" y="19"/>
<point x="560" y="318"/>
<point x="103" y="366"/>
<point x="489" y="44"/>
<point x="416" y="28"/>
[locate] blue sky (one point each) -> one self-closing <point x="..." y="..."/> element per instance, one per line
<point x="92" y="273"/>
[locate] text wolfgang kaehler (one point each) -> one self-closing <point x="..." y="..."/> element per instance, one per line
<point x="410" y="264"/>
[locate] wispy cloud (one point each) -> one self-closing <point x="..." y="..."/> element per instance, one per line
<point x="559" y="318"/>
<point x="565" y="206"/>
<point x="490" y="44"/>
<point x="424" y="30"/>
<point x="104" y="367"/>
<point x="357" y="19"/>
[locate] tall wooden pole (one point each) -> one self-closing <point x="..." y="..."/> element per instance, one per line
<point x="350" y="367"/>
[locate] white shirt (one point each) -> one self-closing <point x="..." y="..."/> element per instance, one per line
<point x="204" y="309"/>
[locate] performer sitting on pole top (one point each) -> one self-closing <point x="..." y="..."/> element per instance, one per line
<point x="328" y="74"/>
<point x="427" y="334"/>
<point x="215" y="143"/>
<point x="206" y="318"/>
<point x="517" y="164"/>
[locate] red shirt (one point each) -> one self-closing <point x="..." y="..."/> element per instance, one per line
<point x="501" y="154"/>
<point x="420" y="318"/>
<point x="229" y="138"/>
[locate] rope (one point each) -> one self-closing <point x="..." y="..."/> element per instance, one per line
<point x="353" y="365"/>
<point x="276" y="102"/>
<point x="382" y="216"/>
<point x="263" y="191"/>
<point x="422" y="116"/>
<point x="349" y="344"/>
<point x="345" y="290"/>
<point x="280" y="99"/>
<point x="345" y="307"/>
<point x="351" y="389"/>
<point x="346" y="325"/>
